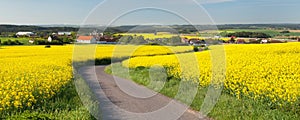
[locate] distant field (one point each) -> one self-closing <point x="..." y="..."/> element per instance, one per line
<point x="273" y="33"/>
<point x="25" y="41"/>
<point x="211" y="33"/>
<point x="161" y="35"/>
<point x="151" y="35"/>
<point x="296" y="31"/>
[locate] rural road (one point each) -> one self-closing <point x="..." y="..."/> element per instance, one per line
<point x="122" y="99"/>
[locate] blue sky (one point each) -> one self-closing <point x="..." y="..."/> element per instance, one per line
<point x="120" y="12"/>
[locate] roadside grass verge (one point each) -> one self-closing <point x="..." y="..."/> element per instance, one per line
<point x="227" y="108"/>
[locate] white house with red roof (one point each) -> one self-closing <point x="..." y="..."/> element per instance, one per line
<point x="86" y="39"/>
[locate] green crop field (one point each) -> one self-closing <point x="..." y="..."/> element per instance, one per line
<point x="273" y="33"/>
<point x="24" y="40"/>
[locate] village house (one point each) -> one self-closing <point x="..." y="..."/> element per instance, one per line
<point x="49" y="39"/>
<point x="240" y="41"/>
<point x="86" y="39"/>
<point x="263" y="41"/>
<point x="31" y="41"/>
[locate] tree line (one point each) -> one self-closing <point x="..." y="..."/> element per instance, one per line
<point x="18" y="28"/>
<point x="11" y="42"/>
<point x="140" y="40"/>
<point x="247" y="34"/>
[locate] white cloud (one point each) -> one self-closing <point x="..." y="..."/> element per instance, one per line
<point x="213" y="1"/>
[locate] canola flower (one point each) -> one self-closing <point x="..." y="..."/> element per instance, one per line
<point x="266" y="72"/>
<point x="108" y="51"/>
<point x="33" y="74"/>
<point x="30" y="75"/>
<point x="150" y="36"/>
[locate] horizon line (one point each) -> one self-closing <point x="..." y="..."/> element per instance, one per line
<point x="141" y="24"/>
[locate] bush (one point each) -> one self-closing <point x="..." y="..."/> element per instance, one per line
<point x="196" y="49"/>
<point x="56" y="42"/>
<point x="43" y="42"/>
<point x="153" y="44"/>
<point x="285" y="31"/>
<point x="10" y="42"/>
<point x="254" y="41"/>
<point x="39" y="42"/>
<point x="276" y="41"/>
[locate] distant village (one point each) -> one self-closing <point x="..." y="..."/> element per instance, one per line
<point x="95" y="37"/>
<point x="69" y="37"/>
<point x="91" y="38"/>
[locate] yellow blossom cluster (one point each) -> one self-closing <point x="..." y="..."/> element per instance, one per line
<point x="31" y="74"/>
<point x="267" y="72"/>
<point x="108" y="51"/>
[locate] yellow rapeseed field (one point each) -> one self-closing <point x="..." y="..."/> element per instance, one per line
<point x="108" y="51"/>
<point x="151" y="36"/>
<point x="33" y="74"/>
<point x="265" y="72"/>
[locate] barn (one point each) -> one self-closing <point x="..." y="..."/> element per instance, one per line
<point x="24" y="34"/>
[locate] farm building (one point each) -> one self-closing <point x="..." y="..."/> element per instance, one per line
<point x="86" y="39"/>
<point x="24" y="33"/>
<point x="64" y="33"/>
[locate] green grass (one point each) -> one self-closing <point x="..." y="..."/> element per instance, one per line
<point x="227" y="108"/>
<point x="24" y="40"/>
<point x="66" y="105"/>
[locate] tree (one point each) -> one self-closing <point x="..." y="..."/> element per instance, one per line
<point x="224" y="33"/>
<point x="175" y="40"/>
<point x="141" y="40"/>
<point x="249" y="34"/>
<point x="138" y="40"/>
<point x="232" y="40"/>
<point x="73" y="34"/>
<point x="66" y="40"/>
<point x="285" y="31"/>
<point x="9" y="42"/>
<point x="125" y="39"/>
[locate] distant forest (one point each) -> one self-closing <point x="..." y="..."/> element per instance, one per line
<point x="147" y="28"/>
<point x="18" y="28"/>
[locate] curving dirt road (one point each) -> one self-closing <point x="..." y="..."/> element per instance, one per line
<point x="122" y="99"/>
